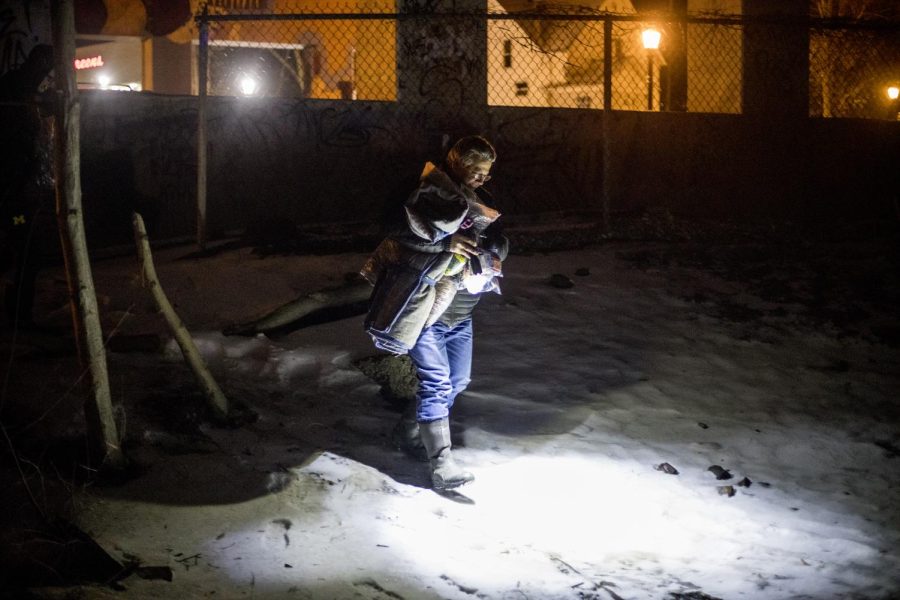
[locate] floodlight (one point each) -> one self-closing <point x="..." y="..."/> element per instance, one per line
<point x="248" y="85"/>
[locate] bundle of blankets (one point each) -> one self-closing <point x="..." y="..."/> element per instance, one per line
<point x="414" y="282"/>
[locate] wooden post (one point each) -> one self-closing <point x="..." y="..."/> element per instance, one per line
<point x="211" y="390"/>
<point x="101" y="424"/>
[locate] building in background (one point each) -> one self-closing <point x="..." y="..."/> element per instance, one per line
<point x="559" y="63"/>
<point x="110" y="62"/>
<point x="134" y="44"/>
<point x="699" y="67"/>
<point x="325" y="58"/>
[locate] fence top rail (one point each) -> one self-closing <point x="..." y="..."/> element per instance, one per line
<point x="815" y="22"/>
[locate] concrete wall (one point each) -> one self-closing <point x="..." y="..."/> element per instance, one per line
<point x="322" y="161"/>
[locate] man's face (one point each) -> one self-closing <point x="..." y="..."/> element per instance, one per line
<point x="477" y="174"/>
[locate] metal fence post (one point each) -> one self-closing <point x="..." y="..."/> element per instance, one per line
<point x="607" y="115"/>
<point x="201" y="127"/>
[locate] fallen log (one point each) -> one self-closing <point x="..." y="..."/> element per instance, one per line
<point x="323" y="306"/>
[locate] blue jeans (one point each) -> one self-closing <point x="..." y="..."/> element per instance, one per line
<point x="443" y="360"/>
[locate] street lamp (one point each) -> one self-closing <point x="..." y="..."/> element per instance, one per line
<point x="893" y="93"/>
<point x="248" y="85"/>
<point x="651" y="38"/>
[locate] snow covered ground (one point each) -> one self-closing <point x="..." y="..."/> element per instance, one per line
<point x="579" y="396"/>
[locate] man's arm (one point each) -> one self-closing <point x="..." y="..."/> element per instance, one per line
<point x="433" y="212"/>
<point x="494" y="241"/>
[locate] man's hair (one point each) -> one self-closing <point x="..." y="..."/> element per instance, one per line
<point x="469" y="150"/>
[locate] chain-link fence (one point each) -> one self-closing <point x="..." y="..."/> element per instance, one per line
<point x="854" y="71"/>
<point x="561" y="57"/>
<point x="559" y="62"/>
<point x="331" y="53"/>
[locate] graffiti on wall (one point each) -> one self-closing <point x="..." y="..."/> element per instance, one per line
<point x="309" y="161"/>
<point x="444" y="64"/>
<point x="137" y="155"/>
<point x="296" y="155"/>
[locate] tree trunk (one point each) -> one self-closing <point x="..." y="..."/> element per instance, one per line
<point x="214" y="396"/>
<point x="101" y="424"/>
<point x="66" y="248"/>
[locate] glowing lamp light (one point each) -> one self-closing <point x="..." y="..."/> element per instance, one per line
<point x="479" y="276"/>
<point x="103" y="80"/>
<point x="651" y="38"/>
<point x="476" y="284"/>
<point x="248" y="85"/>
<point x="893" y="92"/>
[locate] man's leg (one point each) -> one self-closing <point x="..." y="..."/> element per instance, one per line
<point x="406" y="436"/>
<point x="433" y="400"/>
<point x="435" y="388"/>
<point x="459" y="357"/>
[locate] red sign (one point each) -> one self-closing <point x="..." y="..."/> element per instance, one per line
<point x="91" y="62"/>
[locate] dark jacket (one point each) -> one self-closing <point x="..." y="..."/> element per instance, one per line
<point x="410" y="261"/>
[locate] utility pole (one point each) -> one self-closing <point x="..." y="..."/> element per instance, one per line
<point x="202" y="155"/>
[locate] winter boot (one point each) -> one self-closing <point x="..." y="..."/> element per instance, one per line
<point x="445" y="473"/>
<point x="405" y="435"/>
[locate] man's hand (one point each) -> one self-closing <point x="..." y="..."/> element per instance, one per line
<point x="463" y="244"/>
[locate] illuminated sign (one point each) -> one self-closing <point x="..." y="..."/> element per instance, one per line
<point x="91" y="62"/>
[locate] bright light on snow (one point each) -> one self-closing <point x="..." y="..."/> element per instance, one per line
<point x="576" y="395"/>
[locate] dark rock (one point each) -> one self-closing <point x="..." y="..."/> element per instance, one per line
<point x="583" y="272"/>
<point x="719" y="472"/>
<point x="560" y="281"/>
<point x="666" y="468"/>
<point x="703" y="425"/>
<point x="890" y="449"/>
<point x="726" y="490"/>
<point x="745" y="482"/>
